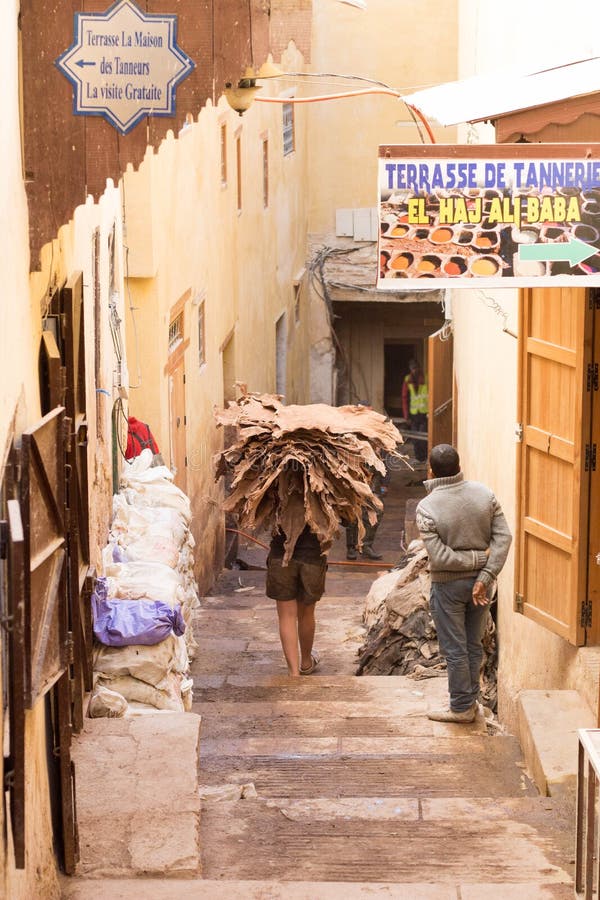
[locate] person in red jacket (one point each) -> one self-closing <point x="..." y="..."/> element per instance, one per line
<point x="139" y="437"/>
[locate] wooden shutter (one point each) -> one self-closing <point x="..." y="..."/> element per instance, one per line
<point x="554" y="413"/>
<point x="43" y="512"/>
<point x="77" y="493"/>
<point x="14" y="768"/>
<point x="440" y="380"/>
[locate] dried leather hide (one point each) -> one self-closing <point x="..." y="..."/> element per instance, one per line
<point x="401" y="637"/>
<point x="312" y="465"/>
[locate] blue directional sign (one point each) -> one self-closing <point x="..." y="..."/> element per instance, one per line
<point x="124" y="64"/>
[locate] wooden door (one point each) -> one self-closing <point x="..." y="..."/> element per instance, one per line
<point x="78" y="574"/>
<point x="591" y="612"/>
<point x="177" y="422"/>
<point x="14" y="764"/>
<point x="553" y="470"/>
<point x="43" y="510"/>
<point x="440" y="381"/>
<point x="47" y="645"/>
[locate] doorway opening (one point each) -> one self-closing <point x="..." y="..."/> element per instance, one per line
<point x="396" y="355"/>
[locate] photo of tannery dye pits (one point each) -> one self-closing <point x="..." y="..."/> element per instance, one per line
<point x="422" y="237"/>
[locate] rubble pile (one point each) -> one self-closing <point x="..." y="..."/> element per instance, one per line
<point x="294" y="466"/>
<point x="401" y="637"/>
<point x="145" y="602"/>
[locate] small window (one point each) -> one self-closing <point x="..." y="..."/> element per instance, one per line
<point x="289" y="138"/>
<point x="281" y="354"/>
<point x="223" y="155"/>
<point x="201" y="336"/>
<point x="238" y="164"/>
<point x="176" y="332"/>
<point x="265" y="172"/>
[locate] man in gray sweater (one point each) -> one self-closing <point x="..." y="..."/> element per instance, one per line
<point x="467" y="539"/>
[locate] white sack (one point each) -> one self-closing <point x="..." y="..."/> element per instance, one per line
<point x="151" y="664"/>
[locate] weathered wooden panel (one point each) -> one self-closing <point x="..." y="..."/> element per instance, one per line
<point x="554" y="410"/>
<point x="440" y="380"/>
<point x="15" y="766"/>
<point x="42" y="500"/>
<point x="77" y="492"/>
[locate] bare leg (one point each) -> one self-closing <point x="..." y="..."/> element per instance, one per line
<point x="306" y="633"/>
<point x="287" y="613"/>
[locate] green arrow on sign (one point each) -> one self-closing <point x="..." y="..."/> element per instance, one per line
<point x="573" y="251"/>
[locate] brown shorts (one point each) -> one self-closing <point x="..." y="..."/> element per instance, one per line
<point x="301" y="581"/>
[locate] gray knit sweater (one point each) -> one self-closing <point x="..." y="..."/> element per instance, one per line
<point x="458" y="521"/>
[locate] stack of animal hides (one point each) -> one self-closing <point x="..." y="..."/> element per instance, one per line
<point x="312" y="465"/>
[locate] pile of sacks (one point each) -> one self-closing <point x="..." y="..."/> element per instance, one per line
<point x="144" y="603"/>
<point x="312" y="465"/>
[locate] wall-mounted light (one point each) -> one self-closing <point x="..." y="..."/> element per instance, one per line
<point x="240" y="98"/>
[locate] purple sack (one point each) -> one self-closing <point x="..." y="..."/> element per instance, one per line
<point x="119" y="623"/>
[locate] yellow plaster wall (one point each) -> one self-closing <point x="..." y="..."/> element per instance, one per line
<point x="406" y="45"/>
<point x="240" y="265"/>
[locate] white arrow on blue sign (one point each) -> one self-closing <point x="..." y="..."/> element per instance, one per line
<point x="124" y="64"/>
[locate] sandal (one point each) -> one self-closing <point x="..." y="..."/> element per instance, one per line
<point x="315" y="660"/>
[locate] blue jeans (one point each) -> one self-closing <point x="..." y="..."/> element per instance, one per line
<point x="460" y="625"/>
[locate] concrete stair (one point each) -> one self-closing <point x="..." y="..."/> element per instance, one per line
<point x="353" y="790"/>
<point x="349" y="790"/>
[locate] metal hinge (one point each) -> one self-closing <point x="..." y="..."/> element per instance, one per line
<point x="519" y="432"/>
<point x="62" y="385"/>
<point x="519" y="600"/>
<point x="186" y="462"/>
<point x="70" y="648"/>
<point x="185" y="420"/>
<point x="586" y="614"/>
<point x="590" y="457"/>
<point x="67" y="426"/>
<point x="592" y="376"/>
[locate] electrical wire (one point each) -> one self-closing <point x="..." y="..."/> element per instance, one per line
<point x="119" y="412"/>
<point x="493" y="304"/>
<point x="382" y="88"/>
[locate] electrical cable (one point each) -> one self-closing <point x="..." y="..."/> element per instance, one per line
<point x="380" y="88"/>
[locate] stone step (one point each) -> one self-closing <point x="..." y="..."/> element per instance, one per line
<point x="449" y="841"/>
<point x="138" y="806"/>
<point x="548" y="725"/>
<point x="369" y="767"/>
<point x="226" y="889"/>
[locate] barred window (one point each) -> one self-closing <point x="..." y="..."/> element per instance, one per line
<point x="176" y="332"/>
<point x="289" y="138"/>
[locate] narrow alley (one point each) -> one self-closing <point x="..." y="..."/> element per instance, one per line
<point x="248" y="246"/>
<point x="335" y="786"/>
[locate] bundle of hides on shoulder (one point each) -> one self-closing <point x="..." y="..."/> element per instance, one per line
<point x="309" y="465"/>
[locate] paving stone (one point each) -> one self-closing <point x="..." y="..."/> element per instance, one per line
<point x="225" y="889"/>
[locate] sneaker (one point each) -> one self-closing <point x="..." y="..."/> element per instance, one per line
<point x="450" y="715"/>
<point x="351" y="553"/>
